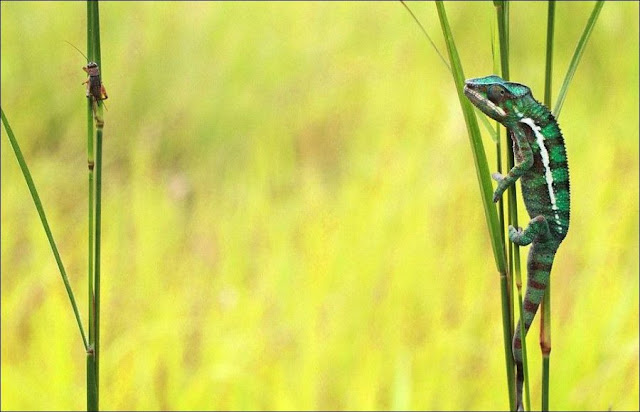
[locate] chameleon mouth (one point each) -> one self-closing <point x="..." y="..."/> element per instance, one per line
<point x="478" y="98"/>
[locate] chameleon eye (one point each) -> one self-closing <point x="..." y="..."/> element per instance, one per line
<point x="495" y="93"/>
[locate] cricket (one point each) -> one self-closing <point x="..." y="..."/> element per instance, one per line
<point x="95" y="88"/>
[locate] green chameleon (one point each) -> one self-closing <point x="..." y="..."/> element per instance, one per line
<point x="541" y="165"/>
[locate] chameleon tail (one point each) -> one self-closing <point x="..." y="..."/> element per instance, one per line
<point x="538" y="270"/>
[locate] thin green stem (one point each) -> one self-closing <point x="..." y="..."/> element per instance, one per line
<point x="545" y="346"/>
<point x="582" y="43"/>
<point x="496" y="62"/>
<point x="483" y="119"/>
<point x="92" y="382"/>
<point x="514" y="264"/>
<point x="545" y="383"/>
<point x="545" y="316"/>
<point x="45" y="223"/>
<point x="548" y="68"/>
<point x="486" y="189"/>
<point x="424" y="31"/>
<point x="94" y="113"/>
<point x="525" y="364"/>
<point x="502" y="8"/>
<point x="98" y="233"/>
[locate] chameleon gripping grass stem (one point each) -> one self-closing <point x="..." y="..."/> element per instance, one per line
<point x="541" y="165"/>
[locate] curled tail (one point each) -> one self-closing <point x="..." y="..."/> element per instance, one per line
<point x="539" y="264"/>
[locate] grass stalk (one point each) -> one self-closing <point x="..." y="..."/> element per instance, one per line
<point x="582" y="43"/>
<point x="545" y="316"/>
<point x="498" y="146"/>
<point x="92" y="387"/>
<point x="486" y="190"/>
<point x="45" y="224"/>
<point x="94" y="113"/>
<point x="502" y="13"/>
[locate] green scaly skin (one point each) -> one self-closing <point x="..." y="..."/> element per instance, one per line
<point x="541" y="165"/>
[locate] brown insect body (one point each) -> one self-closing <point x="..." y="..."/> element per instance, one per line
<point x="95" y="88"/>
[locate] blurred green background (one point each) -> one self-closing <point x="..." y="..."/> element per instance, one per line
<point x="291" y="214"/>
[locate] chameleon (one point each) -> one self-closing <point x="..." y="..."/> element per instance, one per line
<point x="541" y="165"/>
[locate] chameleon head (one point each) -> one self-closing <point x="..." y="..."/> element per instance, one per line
<point x="92" y="69"/>
<point x="495" y="96"/>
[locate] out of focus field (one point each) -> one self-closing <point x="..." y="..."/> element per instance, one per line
<point x="291" y="214"/>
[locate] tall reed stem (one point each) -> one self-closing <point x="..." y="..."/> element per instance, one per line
<point x="545" y="315"/>
<point x="94" y="113"/>
<point x="486" y="189"/>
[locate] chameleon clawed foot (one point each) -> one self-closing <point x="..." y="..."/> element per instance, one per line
<point x="501" y="186"/>
<point x="514" y="233"/>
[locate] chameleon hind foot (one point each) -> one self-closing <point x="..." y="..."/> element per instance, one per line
<point x="537" y="228"/>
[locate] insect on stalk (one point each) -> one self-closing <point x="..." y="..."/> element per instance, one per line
<point x="95" y="88"/>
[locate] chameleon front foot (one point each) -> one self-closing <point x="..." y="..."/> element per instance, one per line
<point x="497" y="177"/>
<point x="502" y="186"/>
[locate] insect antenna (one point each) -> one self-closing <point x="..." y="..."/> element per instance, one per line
<point x="77" y="50"/>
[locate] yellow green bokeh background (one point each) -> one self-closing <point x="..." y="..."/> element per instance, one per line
<point x="291" y="214"/>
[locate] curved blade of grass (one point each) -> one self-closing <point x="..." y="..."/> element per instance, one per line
<point x="545" y="316"/>
<point x="582" y="43"/>
<point x="486" y="190"/>
<point x="426" y="35"/>
<point x="485" y="122"/>
<point x="479" y="157"/>
<point x="43" y="219"/>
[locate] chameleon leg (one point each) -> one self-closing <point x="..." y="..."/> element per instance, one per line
<point x="538" y="229"/>
<point x="524" y="157"/>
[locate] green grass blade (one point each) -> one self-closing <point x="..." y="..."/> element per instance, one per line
<point x="582" y="43"/>
<point x="545" y="316"/>
<point x="43" y="219"/>
<point x="485" y="122"/>
<point x="496" y="139"/>
<point x="92" y="373"/>
<point x="545" y="382"/>
<point x="426" y="35"/>
<point x="486" y="189"/>
<point x="92" y="386"/>
<point x="548" y="70"/>
<point x="94" y="113"/>
<point x="487" y="125"/>
<point x="98" y="232"/>
<point x="502" y="8"/>
<point x="479" y="157"/>
<point x="502" y="13"/>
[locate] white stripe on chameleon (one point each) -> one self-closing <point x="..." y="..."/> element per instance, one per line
<point x="545" y="161"/>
